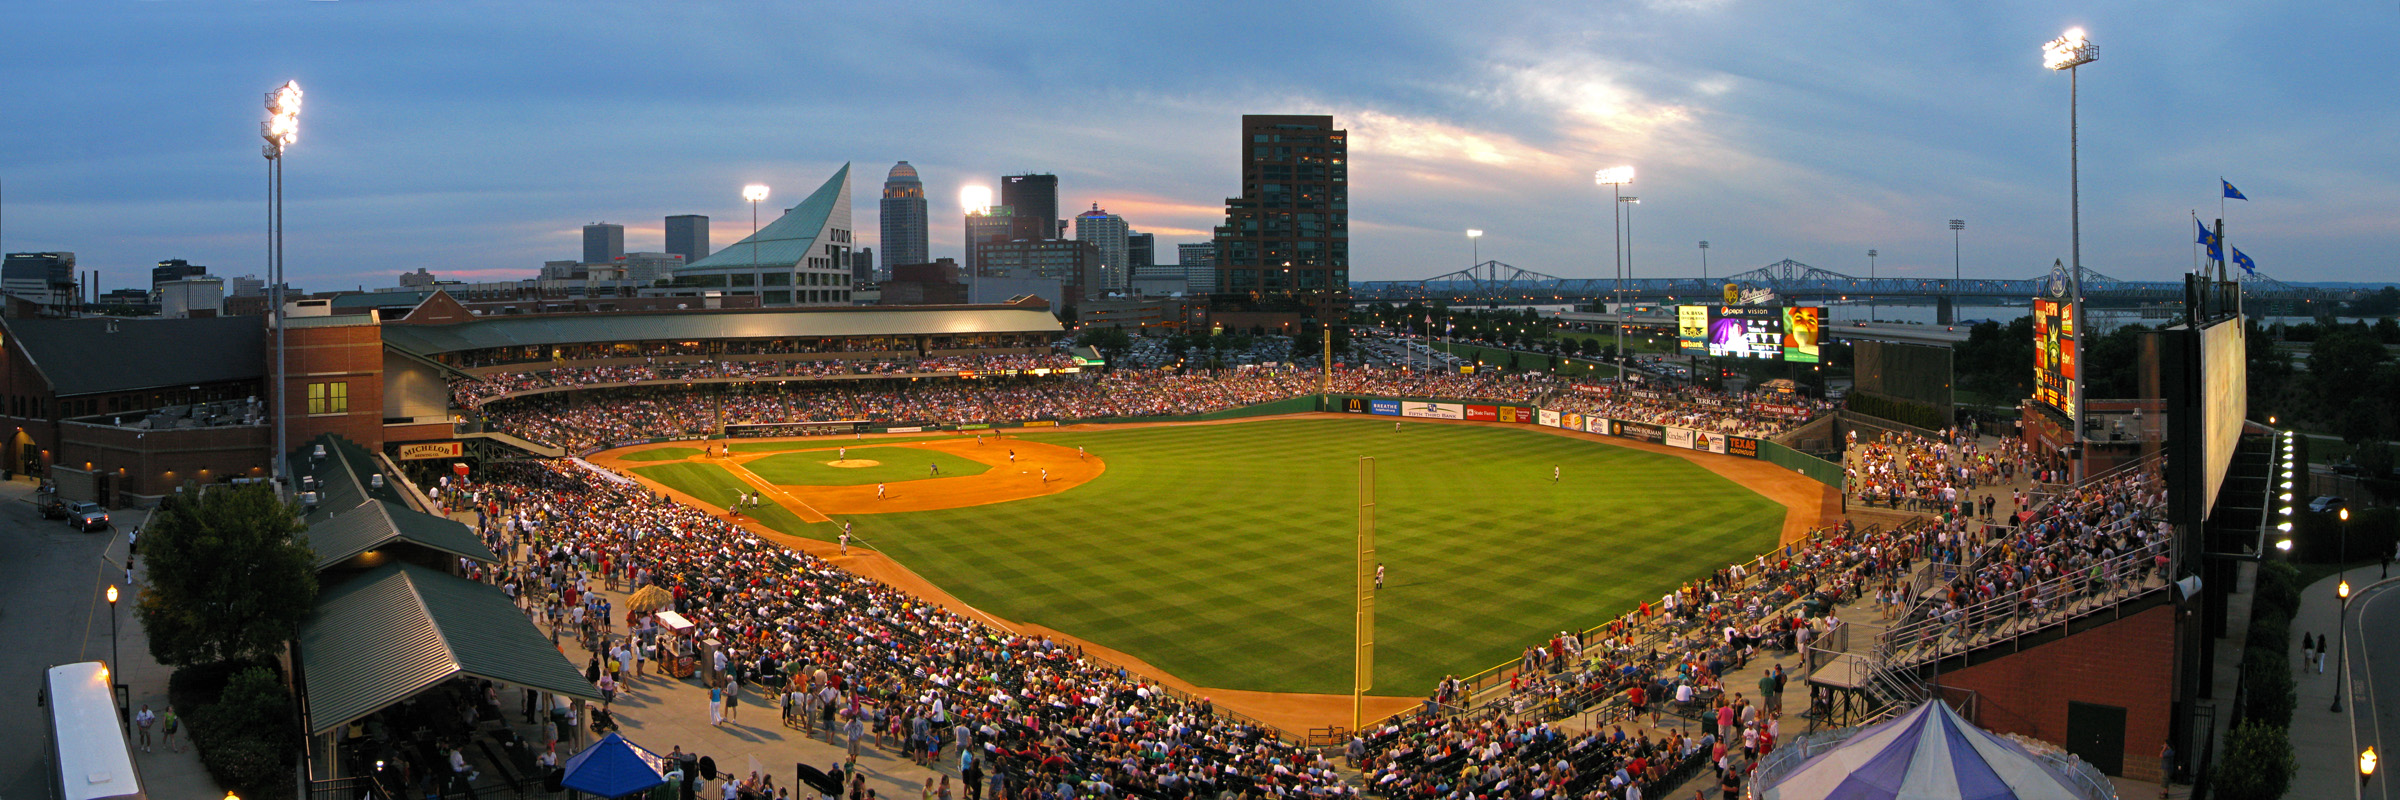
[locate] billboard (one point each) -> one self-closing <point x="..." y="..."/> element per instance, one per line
<point x="1548" y="418"/>
<point x="1743" y="446"/>
<point x="1388" y="408"/>
<point x="1750" y="332"/>
<point x="417" y="451"/>
<point x="1433" y="410"/>
<point x="1640" y="431"/>
<point x="1803" y="334"/>
<point x="1680" y="437"/>
<point x="2224" y="399"/>
<point x="1483" y="413"/>
<point x="1354" y="405"/>
<point x="2056" y="365"/>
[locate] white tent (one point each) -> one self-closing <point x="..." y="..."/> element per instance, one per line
<point x="1927" y="753"/>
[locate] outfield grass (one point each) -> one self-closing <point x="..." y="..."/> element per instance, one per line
<point x="713" y="484"/>
<point x="662" y="454"/>
<point x="823" y="441"/>
<point x="1222" y="553"/>
<point x="899" y="464"/>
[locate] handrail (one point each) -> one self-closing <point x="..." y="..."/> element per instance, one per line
<point x="1947" y="637"/>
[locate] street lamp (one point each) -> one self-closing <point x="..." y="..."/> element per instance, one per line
<point x="1615" y="179"/>
<point x="281" y="130"/>
<point x="2067" y="52"/>
<point x="2366" y="765"/>
<point x="112" y="628"/>
<point x="2341" y="661"/>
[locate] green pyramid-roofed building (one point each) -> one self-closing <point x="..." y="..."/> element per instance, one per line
<point x="800" y="259"/>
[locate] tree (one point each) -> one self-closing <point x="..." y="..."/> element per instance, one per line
<point x="1111" y="342"/>
<point x="2258" y="762"/>
<point x="231" y="576"/>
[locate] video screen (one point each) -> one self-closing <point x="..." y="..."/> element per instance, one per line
<point x="1742" y="332"/>
<point x="1803" y="334"/>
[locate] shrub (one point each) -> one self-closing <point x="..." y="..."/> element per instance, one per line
<point x="2258" y="762"/>
<point x="2278" y="589"/>
<point x="246" y="738"/>
<point x="2269" y="631"/>
<point x="2267" y="686"/>
<point x="249" y="768"/>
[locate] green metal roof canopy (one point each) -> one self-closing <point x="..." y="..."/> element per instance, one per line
<point x="787" y="240"/>
<point x="625" y="326"/>
<point x="376" y="523"/>
<point x="396" y="631"/>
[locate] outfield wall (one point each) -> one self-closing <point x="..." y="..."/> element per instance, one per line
<point x="1817" y="469"/>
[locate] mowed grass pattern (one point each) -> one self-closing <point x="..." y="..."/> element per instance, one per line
<point x="713" y="484"/>
<point x="898" y="464"/>
<point x="1222" y="553"/>
<point x="662" y="454"/>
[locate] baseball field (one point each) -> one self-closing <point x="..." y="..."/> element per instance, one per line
<point x="1221" y="553"/>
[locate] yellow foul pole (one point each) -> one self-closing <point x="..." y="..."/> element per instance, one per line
<point x="1362" y="665"/>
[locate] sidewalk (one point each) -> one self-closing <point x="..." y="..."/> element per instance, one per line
<point x="2322" y="740"/>
<point x="166" y="774"/>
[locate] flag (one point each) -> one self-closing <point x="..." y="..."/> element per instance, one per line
<point x="2230" y="192"/>
<point x="2207" y="237"/>
<point x="2244" y="262"/>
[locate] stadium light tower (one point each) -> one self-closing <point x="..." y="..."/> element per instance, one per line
<point x="1956" y="274"/>
<point x="754" y="193"/>
<point x="2067" y="52"/>
<point x="1704" y="262"/>
<point x="281" y="130"/>
<point x="1871" y="254"/>
<point x="1615" y="179"/>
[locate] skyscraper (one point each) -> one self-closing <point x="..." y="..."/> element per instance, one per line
<point x="993" y="225"/>
<point x="904" y="222"/>
<point x="687" y="236"/>
<point x="1141" y="252"/>
<point x="603" y="242"/>
<point x="1288" y="235"/>
<point x="1199" y="262"/>
<point x="1034" y="198"/>
<point x="1107" y="233"/>
<point x="862" y="265"/>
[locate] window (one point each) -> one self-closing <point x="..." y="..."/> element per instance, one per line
<point x="331" y="397"/>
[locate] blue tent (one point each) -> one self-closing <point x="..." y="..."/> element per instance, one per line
<point x="614" y="767"/>
<point x="1927" y="753"/>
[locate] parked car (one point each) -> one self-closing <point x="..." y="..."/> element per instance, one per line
<point x="51" y="507"/>
<point x="2327" y="504"/>
<point x="2347" y="467"/>
<point x="88" y="517"/>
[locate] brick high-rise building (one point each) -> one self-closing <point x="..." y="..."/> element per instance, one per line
<point x="1286" y="240"/>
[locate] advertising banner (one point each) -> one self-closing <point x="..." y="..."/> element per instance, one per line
<point x="2055" y="364"/>
<point x="1548" y="418"/>
<point x="1711" y="442"/>
<point x="1691" y="329"/>
<point x="904" y="429"/>
<point x="1680" y="437"/>
<point x="1423" y="410"/>
<point x="1042" y="423"/>
<point x="1595" y="424"/>
<point x="1354" y="405"/>
<point x="1571" y="421"/>
<point x="423" y="450"/>
<point x="1638" y="431"/>
<point x="1516" y="414"/>
<point x="1743" y="446"/>
<point x="1483" y="413"/>
<point x="1388" y="408"/>
<point x="1779" y="409"/>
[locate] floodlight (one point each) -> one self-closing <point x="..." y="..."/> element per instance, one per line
<point x="977" y="199"/>
<point x="2069" y="51"/>
<point x="282" y="127"/>
<point x="2286" y="527"/>
<point x="756" y="192"/>
<point x="1473" y="233"/>
<point x="2283" y="545"/>
<point x="1613" y="176"/>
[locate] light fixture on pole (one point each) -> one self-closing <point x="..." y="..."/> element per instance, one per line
<point x="754" y="193"/>
<point x="1871" y="254"/>
<point x="2067" y="52"/>
<point x="1956" y="274"/>
<point x="112" y="629"/>
<point x="2366" y="765"/>
<point x="2342" y="657"/>
<point x="1615" y="179"/>
<point x="281" y="130"/>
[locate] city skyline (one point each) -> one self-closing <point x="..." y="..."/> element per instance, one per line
<point x="480" y="155"/>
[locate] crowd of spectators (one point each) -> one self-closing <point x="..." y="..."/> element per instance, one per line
<point x="1757" y="415"/>
<point x="855" y="660"/>
<point x="581" y="421"/>
<point x="1905" y="470"/>
<point x="474" y="392"/>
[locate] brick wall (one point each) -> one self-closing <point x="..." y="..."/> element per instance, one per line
<point x="348" y="354"/>
<point x="2129" y="663"/>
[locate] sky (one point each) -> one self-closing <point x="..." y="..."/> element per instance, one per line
<point x="475" y="139"/>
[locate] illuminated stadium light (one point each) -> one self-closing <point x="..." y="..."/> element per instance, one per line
<point x="2286" y="497"/>
<point x="2283" y="545"/>
<point x="1613" y="176"/>
<point x="977" y="199"/>
<point x="2286" y="527"/>
<point x="2069" y="51"/>
<point x="756" y="192"/>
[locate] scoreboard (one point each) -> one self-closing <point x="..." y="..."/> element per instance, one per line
<point x="1769" y="332"/>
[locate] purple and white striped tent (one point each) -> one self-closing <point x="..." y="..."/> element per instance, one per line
<point x="1927" y="753"/>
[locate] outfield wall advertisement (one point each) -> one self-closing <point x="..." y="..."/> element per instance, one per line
<point x="1547" y="418"/>
<point x="1422" y="410"/>
<point x="1388" y="408"/>
<point x="1682" y="438"/>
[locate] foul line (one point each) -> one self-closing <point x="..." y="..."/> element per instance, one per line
<point x="803" y="509"/>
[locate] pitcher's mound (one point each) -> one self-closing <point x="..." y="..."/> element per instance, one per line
<point x="854" y="463"/>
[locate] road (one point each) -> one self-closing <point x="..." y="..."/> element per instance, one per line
<point x="2374" y="685"/>
<point x="52" y="611"/>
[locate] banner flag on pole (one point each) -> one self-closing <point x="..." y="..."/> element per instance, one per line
<point x="2244" y="262"/>
<point x="2230" y="192"/>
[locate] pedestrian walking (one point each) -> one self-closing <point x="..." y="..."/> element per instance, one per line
<point x="170" y="726"/>
<point x="716" y="706"/>
<point x="143" y="721"/>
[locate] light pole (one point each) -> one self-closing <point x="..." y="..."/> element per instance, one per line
<point x="112" y="630"/>
<point x="754" y="193"/>
<point x="2068" y="51"/>
<point x="1475" y="256"/>
<point x="1628" y="202"/>
<point x="1956" y="225"/>
<point x="2342" y="659"/>
<point x="281" y="129"/>
<point x="1704" y="263"/>
<point x="1615" y="179"/>
<point x="1871" y="285"/>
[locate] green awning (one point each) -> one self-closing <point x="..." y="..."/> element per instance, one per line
<point x="391" y="633"/>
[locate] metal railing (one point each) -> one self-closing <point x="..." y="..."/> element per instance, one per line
<point x="2123" y="577"/>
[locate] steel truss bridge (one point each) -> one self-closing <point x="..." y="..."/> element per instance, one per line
<point x="1492" y="281"/>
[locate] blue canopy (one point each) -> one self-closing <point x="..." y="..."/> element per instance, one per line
<point x="614" y="767"/>
<point x="1927" y="753"/>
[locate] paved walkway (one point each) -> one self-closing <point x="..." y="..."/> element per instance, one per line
<point x="2325" y="742"/>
